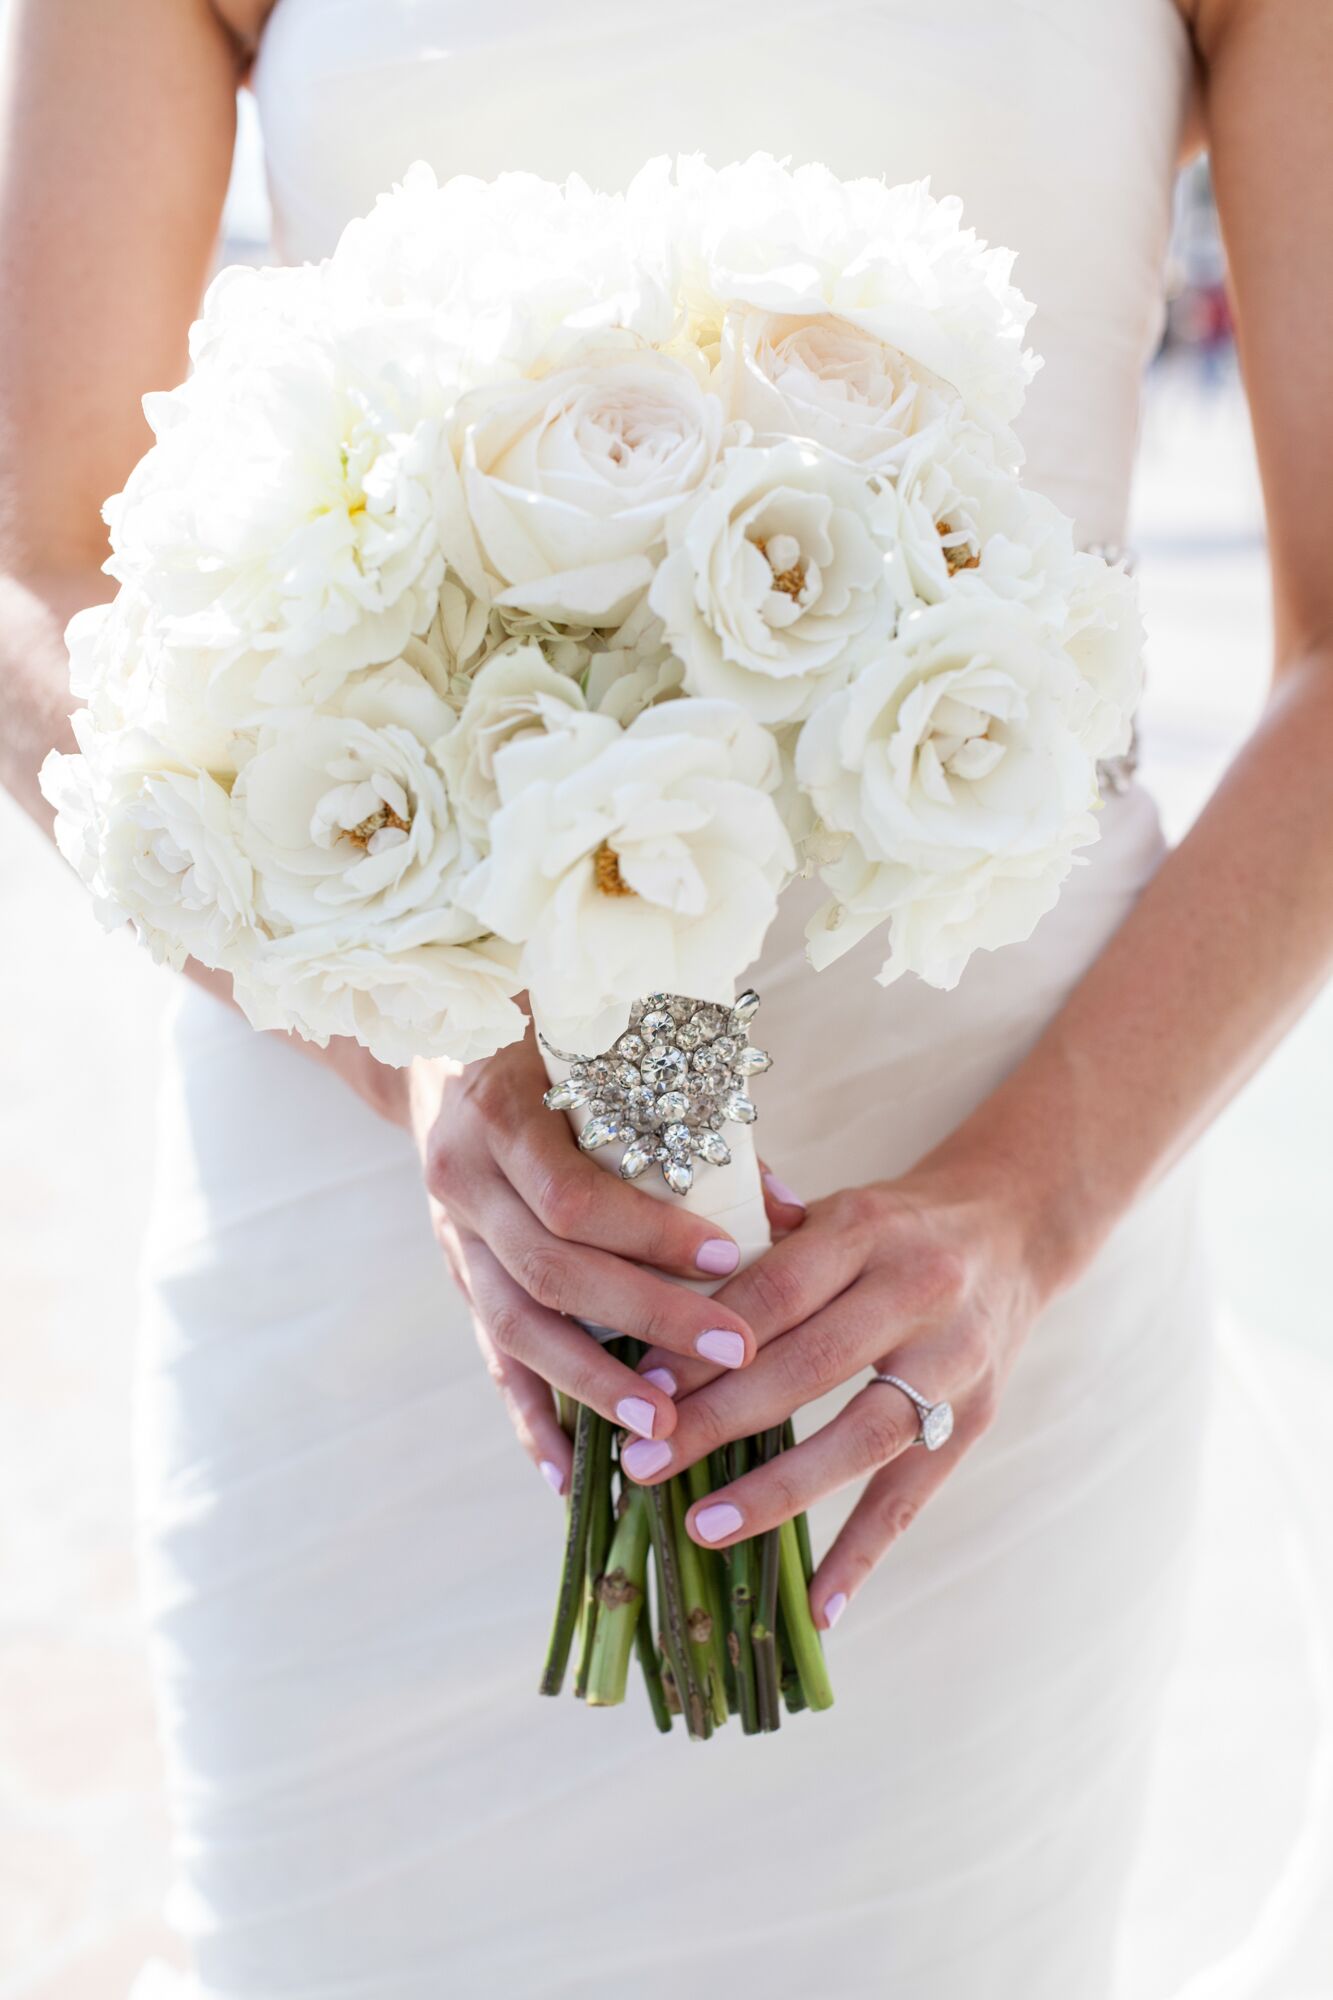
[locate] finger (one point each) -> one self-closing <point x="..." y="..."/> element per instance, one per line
<point x="800" y="1274"/>
<point x="872" y="1430"/>
<point x="885" y="1511"/>
<point x="784" y="1208"/>
<point x="579" y="1201"/>
<point x="561" y="1352"/>
<point x="603" y="1290"/>
<point x="792" y="1370"/>
<point x="785" y="1213"/>
<point x="532" y="1412"/>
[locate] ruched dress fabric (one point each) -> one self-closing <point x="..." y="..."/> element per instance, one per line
<point x="347" y="1561"/>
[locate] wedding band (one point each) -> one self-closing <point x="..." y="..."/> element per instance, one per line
<point x="936" y="1418"/>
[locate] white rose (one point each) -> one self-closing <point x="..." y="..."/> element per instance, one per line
<point x="284" y="523"/>
<point x="344" y="814"/>
<point x="630" y="669"/>
<point x="775" y="584"/>
<point x="626" y="860"/>
<point x="153" y="839"/>
<point x="414" y="993"/>
<point x="893" y="261"/>
<point x="1103" y="636"/>
<point x="953" y="769"/>
<point x="570" y="479"/>
<point x="512" y="693"/>
<point x="965" y="525"/>
<point x="825" y="380"/>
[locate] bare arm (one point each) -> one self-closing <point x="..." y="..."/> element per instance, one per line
<point x="939" y="1276"/>
<point x="116" y="137"/>
<point x="1235" y="934"/>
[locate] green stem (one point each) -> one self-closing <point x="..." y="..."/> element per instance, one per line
<point x="620" y="1592"/>
<point x="577" y="1521"/>
<point x="650" y="1661"/>
<point x="807" y="1650"/>
<point x="599" y="1541"/>
<point x="741" y="1580"/>
<point x="764" y="1631"/>
<point x="703" y="1478"/>
<point x="675" y="1637"/>
<point x="699" y="1625"/>
<point x="802" y="1520"/>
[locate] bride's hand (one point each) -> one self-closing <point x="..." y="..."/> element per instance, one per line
<point x="539" y="1236"/>
<point x="928" y="1277"/>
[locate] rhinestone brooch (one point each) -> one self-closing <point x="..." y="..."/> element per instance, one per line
<point x="667" y="1087"/>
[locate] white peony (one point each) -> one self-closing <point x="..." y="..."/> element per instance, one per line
<point x="153" y="839"/>
<point x="953" y="769"/>
<point x="826" y="381"/>
<point x="624" y="860"/>
<point x="284" y="523"/>
<point x="515" y="692"/>
<point x="775" y="584"/>
<point x="569" y="479"/>
<point x="510" y="274"/>
<point x="893" y="261"/>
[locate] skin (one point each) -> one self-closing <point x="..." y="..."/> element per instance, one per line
<point x="113" y="166"/>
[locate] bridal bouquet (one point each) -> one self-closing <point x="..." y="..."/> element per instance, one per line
<point x="515" y="603"/>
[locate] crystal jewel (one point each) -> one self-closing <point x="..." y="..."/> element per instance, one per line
<point x="665" y="1087"/>
<point x="599" y="1131"/>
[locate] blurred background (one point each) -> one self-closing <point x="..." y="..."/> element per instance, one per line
<point x="82" y="1830"/>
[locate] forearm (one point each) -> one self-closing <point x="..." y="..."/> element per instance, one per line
<point x="35" y="701"/>
<point x="1226" y="946"/>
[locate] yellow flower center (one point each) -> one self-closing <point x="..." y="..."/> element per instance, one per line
<point x="606" y="872"/>
<point x="365" y="830"/>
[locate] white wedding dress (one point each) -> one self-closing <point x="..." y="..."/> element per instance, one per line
<point x="348" y="1563"/>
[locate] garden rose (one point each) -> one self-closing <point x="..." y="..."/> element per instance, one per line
<point x="953" y="769"/>
<point x="775" y="584"/>
<point x="345" y="816"/>
<point x="628" y="859"/>
<point x="153" y="838"/>
<point x="569" y="479"/>
<point x="827" y="381"/>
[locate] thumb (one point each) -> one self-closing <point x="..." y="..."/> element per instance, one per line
<point x="785" y="1210"/>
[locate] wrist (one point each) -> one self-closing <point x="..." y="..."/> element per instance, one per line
<point x="1032" y="1204"/>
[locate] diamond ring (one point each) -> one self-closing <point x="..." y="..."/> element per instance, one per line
<point x="936" y="1418"/>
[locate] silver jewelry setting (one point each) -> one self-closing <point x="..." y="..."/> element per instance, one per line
<point x="667" y="1086"/>
<point x="936" y="1418"/>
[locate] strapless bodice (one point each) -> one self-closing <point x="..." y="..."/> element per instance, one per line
<point x="1057" y="121"/>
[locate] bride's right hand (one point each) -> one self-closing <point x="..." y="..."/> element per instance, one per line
<point x="539" y="1236"/>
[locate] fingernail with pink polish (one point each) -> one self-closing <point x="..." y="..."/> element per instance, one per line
<point x="636" y="1413"/>
<point x="718" y="1257"/>
<point x="553" y="1476"/>
<point x="834" y="1608"/>
<point x="663" y="1379"/>
<point x="645" y="1457"/>
<point x="716" y="1523"/>
<point x="720" y="1344"/>
<point x="781" y="1192"/>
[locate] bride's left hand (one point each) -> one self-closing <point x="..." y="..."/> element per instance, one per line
<point x="929" y="1277"/>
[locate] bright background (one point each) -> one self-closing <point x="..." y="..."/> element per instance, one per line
<point x="82" y="1834"/>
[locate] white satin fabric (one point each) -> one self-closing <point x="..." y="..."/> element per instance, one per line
<point x="348" y="1563"/>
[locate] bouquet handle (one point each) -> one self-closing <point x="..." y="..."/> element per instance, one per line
<point x="735" y="1629"/>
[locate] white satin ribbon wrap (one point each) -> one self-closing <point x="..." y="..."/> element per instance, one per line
<point x="730" y="1198"/>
